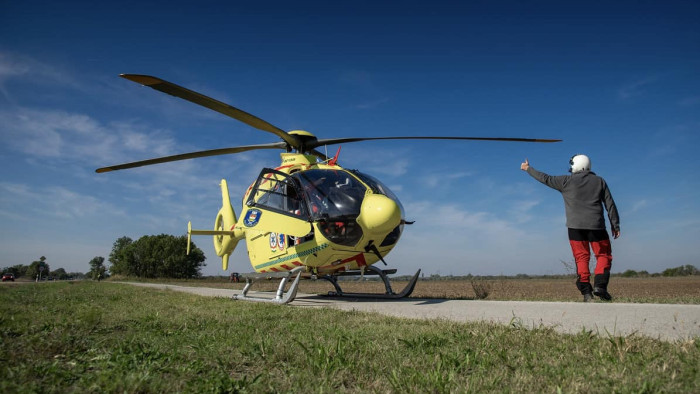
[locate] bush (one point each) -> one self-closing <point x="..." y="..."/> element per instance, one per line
<point x="683" y="270"/>
<point x="482" y="288"/>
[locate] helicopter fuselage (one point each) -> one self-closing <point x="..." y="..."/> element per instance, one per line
<point x="317" y="215"/>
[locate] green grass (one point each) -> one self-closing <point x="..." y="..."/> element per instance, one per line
<point x="107" y="337"/>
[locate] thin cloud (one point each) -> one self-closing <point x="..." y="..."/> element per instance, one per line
<point x="69" y="136"/>
<point x="521" y="211"/>
<point x="635" y="89"/>
<point x="358" y="78"/>
<point x="53" y="202"/>
<point x="453" y="216"/>
<point x="639" y="205"/>
<point x="376" y="160"/>
<point x="364" y="83"/>
<point x="11" y="68"/>
<point x="672" y="139"/>
<point x="70" y="143"/>
<point x="432" y="181"/>
<point x="20" y="67"/>
<point x="372" y="104"/>
<point x="690" y="101"/>
<point x="477" y="241"/>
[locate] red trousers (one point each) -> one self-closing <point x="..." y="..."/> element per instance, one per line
<point x="582" y="255"/>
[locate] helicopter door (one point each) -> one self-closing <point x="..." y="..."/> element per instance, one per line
<point x="275" y="205"/>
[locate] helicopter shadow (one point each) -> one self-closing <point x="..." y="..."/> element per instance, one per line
<point x="321" y="299"/>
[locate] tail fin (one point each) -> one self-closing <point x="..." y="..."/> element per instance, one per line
<point x="225" y="234"/>
<point x="225" y="221"/>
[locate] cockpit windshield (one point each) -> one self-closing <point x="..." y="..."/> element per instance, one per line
<point x="331" y="193"/>
<point x="331" y="198"/>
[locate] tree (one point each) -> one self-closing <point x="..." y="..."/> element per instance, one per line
<point x="35" y="268"/>
<point x="97" y="268"/>
<point x="18" y="270"/>
<point x="156" y="256"/>
<point x="76" y="275"/>
<point x="119" y="259"/>
<point x="60" y="274"/>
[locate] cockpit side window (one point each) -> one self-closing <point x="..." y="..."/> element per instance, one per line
<point x="277" y="192"/>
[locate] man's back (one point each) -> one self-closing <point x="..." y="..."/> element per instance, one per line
<point x="584" y="195"/>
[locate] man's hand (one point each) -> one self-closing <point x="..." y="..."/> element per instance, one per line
<point x="616" y="234"/>
<point x="524" y="166"/>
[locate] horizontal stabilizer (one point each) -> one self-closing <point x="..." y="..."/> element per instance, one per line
<point x="211" y="232"/>
<point x="191" y="232"/>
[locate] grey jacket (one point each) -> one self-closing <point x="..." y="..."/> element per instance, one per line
<point x="584" y="195"/>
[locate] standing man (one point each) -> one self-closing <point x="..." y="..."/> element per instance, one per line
<point x="584" y="194"/>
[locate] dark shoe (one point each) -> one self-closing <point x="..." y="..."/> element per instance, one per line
<point x="602" y="293"/>
<point x="584" y="287"/>
<point x="587" y="297"/>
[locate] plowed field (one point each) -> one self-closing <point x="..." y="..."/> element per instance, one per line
<point x="684" y="290"/>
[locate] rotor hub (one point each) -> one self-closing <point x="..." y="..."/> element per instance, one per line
<point x="305" y="139"/>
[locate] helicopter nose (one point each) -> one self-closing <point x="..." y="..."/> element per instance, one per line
<point x="379" y="214"/>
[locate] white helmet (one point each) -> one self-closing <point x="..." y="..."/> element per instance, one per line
<point x="579" y="163"/>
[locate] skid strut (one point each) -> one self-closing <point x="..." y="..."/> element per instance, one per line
<point x="280" y="297"/>
<point x="389" y="293"/>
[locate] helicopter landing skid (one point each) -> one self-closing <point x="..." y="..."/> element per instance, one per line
<point x="389" y="294"/>
<point x="280" y="297"/>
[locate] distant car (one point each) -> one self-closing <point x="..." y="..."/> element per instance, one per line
<point x="8" y="276"/>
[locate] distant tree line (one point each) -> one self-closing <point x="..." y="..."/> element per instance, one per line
<point x="33" y="270"/>
<point x="154" y="256"/>
<point x="151" y="256"/>
<point x="683" y="270"/>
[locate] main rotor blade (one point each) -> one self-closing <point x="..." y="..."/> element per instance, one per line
<point x="332" y="141"/>
<point x="192" y="155"/>
<point x="213" y="104"/>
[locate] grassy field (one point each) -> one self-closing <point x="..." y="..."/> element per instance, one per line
<point x="107" y="337"/>
<point x="665" y="290"/>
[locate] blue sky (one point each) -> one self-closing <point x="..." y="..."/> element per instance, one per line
<point x="619" y="82"/>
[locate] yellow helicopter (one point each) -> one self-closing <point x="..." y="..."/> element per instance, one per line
<point x="309" y="217"/>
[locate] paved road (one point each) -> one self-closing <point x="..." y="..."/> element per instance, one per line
<point x="668" y="322"/>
